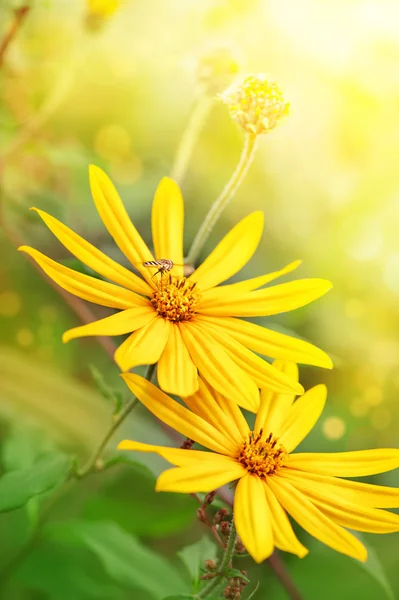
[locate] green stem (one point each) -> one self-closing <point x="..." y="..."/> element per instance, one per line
<point x="223" y="200"/>
<point x="223" y="565"/>
<point x="198" y="116"/>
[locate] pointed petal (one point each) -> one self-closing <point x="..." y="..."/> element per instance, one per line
<point x="200" y="477"/>
<point x="229" y="408"/>
<point x="257" y="282"/>
<point x="204" y="405"/>
<point x="283" y="534"/>
<point x="315" y="521"/>
<point x="270" y="301"/>
<point x="377" y="496"/>
<point x="144" y="346"/>
<point x="346" y="464"/>
<point x="252" y="517"/>
<point x="176" y="456"/>
<point x="178" y="417"/>
<point x="302" y="417"/>
<point x="115" y="218"/>
<point x="264" y="374"/>
<point x="85" y="287"/>
<point x="93" y="257"/>
<point x="177" y="374"/>
<point x="269" y="343"/>
<point x="231" y="254"/>
<point x="218" y="368"/>
<point x="274" y="407"/>
<point x="348" y="514"/>
<point x="123" y="322"/>
<point x="167" y="223"/>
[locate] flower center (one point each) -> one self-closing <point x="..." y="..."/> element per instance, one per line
<point x="262" y="457"/>
<point x="175" y="299"/>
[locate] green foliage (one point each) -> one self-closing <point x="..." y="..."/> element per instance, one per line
<point x="236" y="573"/>
<point x="195" y="555"/>
<point x="115" y="396"/>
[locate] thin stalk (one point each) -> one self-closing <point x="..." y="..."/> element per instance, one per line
<point x="196" y="121"/>
<point x="19" y="16"/>
<point x="223" y="565"/>
<point x="223" y="200"/>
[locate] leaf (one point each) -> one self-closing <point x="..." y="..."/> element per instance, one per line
<point x="194" y="557"/>
<point x="180" y="597"/>
<point x="17" y="487"/>
<point x="23" y="446"/>
<point x="122" y="556"/>
<point x="252" y="594"/>
<point x="115" y="396"/>
<point x="236" y="573"/>
<point x="374" y="568"/>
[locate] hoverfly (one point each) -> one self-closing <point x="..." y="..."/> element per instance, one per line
<point x="164" y="265"/>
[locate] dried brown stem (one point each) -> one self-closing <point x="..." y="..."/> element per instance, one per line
<point x="19" y="16"/>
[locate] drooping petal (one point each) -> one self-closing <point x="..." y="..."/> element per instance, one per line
<point x="123" y="322"/>
<point x="216" y="367"/>
<point x="358" y="463"/>
<point x="274" y="407"/>
<point x="168" y="222"/>
<point x="377" y="496"/>
<point x="257" y="282"/>
<point x="85" y="287"/>
<point x="93" y="257"/>
<point x="200" y="477"/>
<point x="302" y="417"/>
<point x="144" y="346"/>
<point x="204" y="405"/>
<point x="252" y="517"/>
<point x="349" y="514"/>
<point x="229" y="408"/>
<point x="264" y="374"/>
<point x="314" y="521"/>
<point x="270" y="301"/>
<point x="231" y="254"/>
<point x="283" y="534"/>
<point x="177" y="374"/>
<point x="115" y="218"/>
<point x="269" y="343"/>
<point x="178" y="417"/>
<point x="176" y="456"/>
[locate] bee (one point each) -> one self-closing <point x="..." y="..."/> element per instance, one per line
<point x="164" y="265"/>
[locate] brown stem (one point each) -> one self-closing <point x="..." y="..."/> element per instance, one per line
<point x="19" y="17"/>
<point x="283" y="575"/>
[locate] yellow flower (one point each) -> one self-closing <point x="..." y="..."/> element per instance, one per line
<point x="272" y="480"/>
<point x="257" y="104"/>
<point x="186" y="325"/>
<point x="102" y="8"/>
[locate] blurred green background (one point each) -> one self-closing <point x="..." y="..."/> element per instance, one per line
<point x="117" y="91"/>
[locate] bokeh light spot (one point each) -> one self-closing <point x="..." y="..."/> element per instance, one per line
<point x="380" y="418"/>
<point x="25" y="337"/>
<point x="10" y="304"/>
<point x="334" y="428"/>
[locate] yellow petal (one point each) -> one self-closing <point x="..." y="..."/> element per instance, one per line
<point x="274" y="407"/>
<point x="92" y="257"/>
<point x="229" y="408"/>
<point x="302" y="417"/>
<point x="283" y="534"/>
<point x="252" y="517"/>
<point x="218" y="368"/>
<point x="231" y="254"/>
<point x="178" y="417"/>
<point x="315" y="521"/>
<point x="176" y="456"/>
<point x="117" y="221"/>
<point x="123" y="322"/>
<point x="346" y="464"/>
<point x="200" y="477"/>
<point x="204" y="405"/>
<point x="144" y="346"/>
<point x="378" y="496"/>
<point x="167" y="223"/>
<point x="85" y="287"/>
<point x="177" y="374"/>
<point x="257" y="282"/>
<point x="264" y="374"/>
<point x="270" y="301"/>
<point x="269" y="343"/>
<point x="353" y="515"/>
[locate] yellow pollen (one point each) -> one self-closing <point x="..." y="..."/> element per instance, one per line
<point x="256" y="103"/>
<point x="262" y="457"/>
<point x="175" y="299"/>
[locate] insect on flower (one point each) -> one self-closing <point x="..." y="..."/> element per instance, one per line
<point x="164" y="265"/>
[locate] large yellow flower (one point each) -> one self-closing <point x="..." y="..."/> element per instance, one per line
<point x="271" y="481"/>
<point x="186" y="325"/>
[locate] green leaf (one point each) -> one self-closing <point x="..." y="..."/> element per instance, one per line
<point x="115" y="396"/>
<point x="122" y="556"/>
<point x="23" y="446"/>
<point x="180" y="597"/>
<point x="236" y="573"/>
<point x="194" y="557"/>
<point x="17" y="487"/>
<point x="374" y="568"/>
